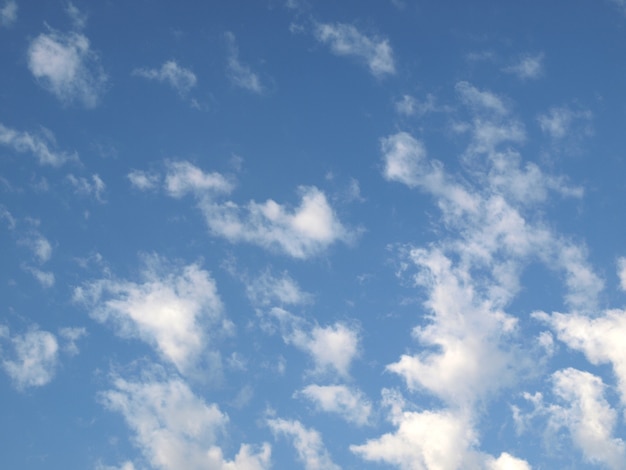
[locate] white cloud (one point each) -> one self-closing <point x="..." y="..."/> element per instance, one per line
<point x="301" y="232"/>
<point x="144" y="180"/>
<point x="557" y="122"/>
<point x="176" y="429"/>
<point x="332" y="348"/>
<point x="179" y="78"/>
<point x="8" y="13"/>
<point x="6" y="215"/>
<point x="71" y="336"/>
<point x="308" y="443"/>
<point x="267" y="289"/>
<point x="35" y="358"/>
<point x="528" y="67"/>
<point x="346" y="40"/>
<point x="79" y="19"/>
<point x="429" y="440"/>
<point x="600" y="338"/>
<point x="67" y="67"/>
<point x="39" y="146"/>
<point x="424" y="440"/>
<point x="85" y="187"/>
<point x="480" y="100"/>
<point x="409" y="106"/>
<point x="182" y="178"/>
<point x="39" y="245"/>
<point x="621" y="272"/>
<point x="350" y="404"/>
<point x="588" y="417"/>
<point x="239" y="73"/>
<point x="45" y="278"/>
<point x="175" y="310"/>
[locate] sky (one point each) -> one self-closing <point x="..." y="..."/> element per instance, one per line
<point x="304" y="234"/>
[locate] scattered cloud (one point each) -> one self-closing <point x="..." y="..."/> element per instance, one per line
<point x="34" y="359"/>
<point x="41" y="146"/>
<point x="71" y="336"/>
<point x="179" y="78"/>
<point x="8" y="13"/>
<point x="66" y="66"/>
<point x="144" y="180"/>
<point x="79" y="19"/>
<point x="183" y="178"/>
<point x="38" y="244"/>
<point x="45" y="278"/>
<point x="410" y="106"/>
<point x="557" y="121"/>
<point x="332" y="348"/>
<point x="174" y="428"/>
<point x="307" y="442"/>
<point x="348" y="403"/>
<point x="240" y="74"/>
<point x="529" y="67"/>
<point x="346" y="40"/>
<point x="85" y="187"/>
<point x="481" y="100"/>
<point x="6" y="215"/>
<point x="176" y="310"/>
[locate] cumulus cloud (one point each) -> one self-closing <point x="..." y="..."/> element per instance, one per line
<point x="8" y="13"/>
<point x="182" y="178"/>
<point x="175" y="310"/>
<point x="34" y="359"/>
<point x="332" y="347"/>
<point x="600" y="338"/>
<point x="175" y="429"/>
<point x="348" y="403"/>
<point x="240" y="74"/>
<point x="307" y="442"/>
<point x="528" y="67"/>
<point x="588" y="416"/>
<point x="41" y="146"/>
<point x="94" y="186"/>
<point x="179" y="78"/>
<point x="346" y="40"/>
<point x="65" y="65"/>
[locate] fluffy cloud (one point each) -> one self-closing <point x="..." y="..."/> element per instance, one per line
<point x="39" y="146"/>
<point x="528" y="67"/>
<point x="179" y="78"/>
<point x="601" y="339"/>
<point x="589" y="417"/>
<point x="88" y="187"/>
<point x="174" y="309"/>
<point x="480" y="100"/>
<point x="332" y="348"/>
<point x="346" y="40"/>
<point x="34" y="359"/>
<point x="176" y="429"/>
<point x="308" y="443"/>
<point x="240" y="74"/>
<point x="183" y="178"/>
<point x="350" y="404"/>
<point x="67" y="67"/>
<point x="38" y="244"/>
<point x="558" y="121"/>
<point x="8" y="13"/>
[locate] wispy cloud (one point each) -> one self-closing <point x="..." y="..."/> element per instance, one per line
<point x="65" y="65"/>
<point x="40" y="145"/>
<point x="347" y="40"/>
<point x="307" y="442"/>
<point x="240" y="74"/>
<point x="8" y="13"/>
<point x="528" y="67"/>
<point x="88" y="187"/>
<point x="179" y="78"/>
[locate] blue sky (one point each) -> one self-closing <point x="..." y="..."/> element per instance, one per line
<point x="320" y="235"/>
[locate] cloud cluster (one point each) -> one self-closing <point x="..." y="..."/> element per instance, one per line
<point x="179" y="78"/>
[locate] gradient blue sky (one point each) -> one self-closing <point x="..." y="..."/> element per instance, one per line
<point x="242" y="235"/>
